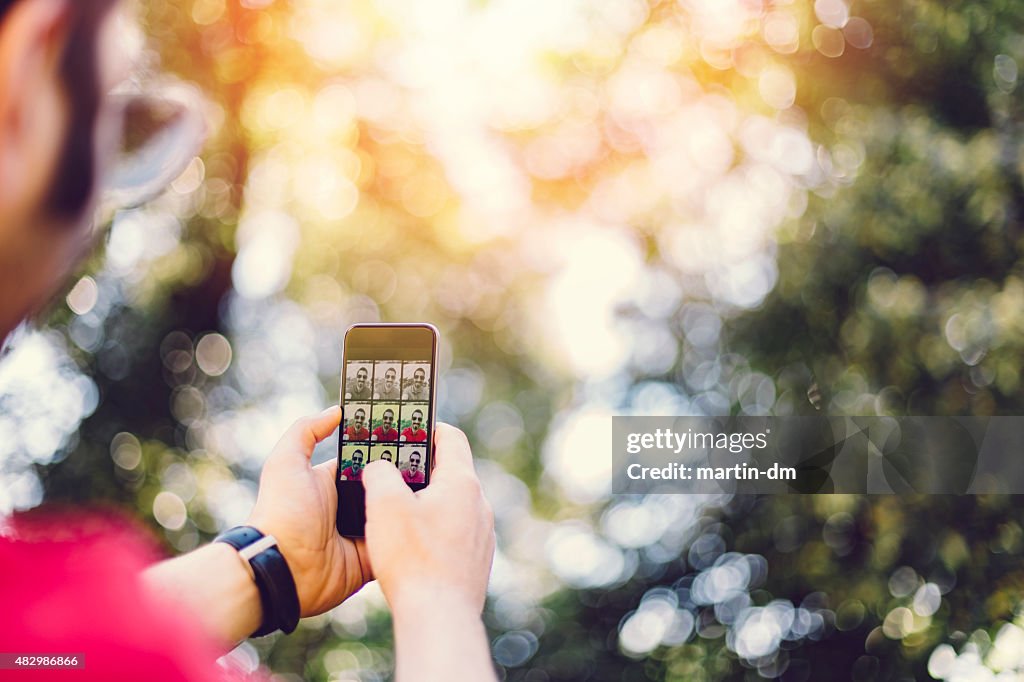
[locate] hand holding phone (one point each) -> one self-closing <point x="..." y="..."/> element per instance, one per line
<point x="296" y="504"/>
<point x="431" y="552"/>
<point x="445" y="531"/>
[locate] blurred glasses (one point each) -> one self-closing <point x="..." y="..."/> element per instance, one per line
<point x="162" y="129"/>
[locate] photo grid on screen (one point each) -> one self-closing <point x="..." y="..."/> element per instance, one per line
<point x="386" y="412"/>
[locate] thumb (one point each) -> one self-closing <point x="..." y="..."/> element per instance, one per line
<point x="384" y="486"/>
<point x="304" y="434"/>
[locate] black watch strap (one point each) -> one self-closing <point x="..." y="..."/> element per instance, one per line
<point x="274" y="580"/>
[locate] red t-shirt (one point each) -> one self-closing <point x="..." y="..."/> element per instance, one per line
<point x="414" y="436"/>
<point x="411" y="477"/>
<point x="381" y="434"/>
<point x="351" y="475"/>
<point x="71" y="586"/>
<point x="361" y="434"/>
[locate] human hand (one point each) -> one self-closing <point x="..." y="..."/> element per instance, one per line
<point x="432" y="548"/>
<point x="297" y="504"/>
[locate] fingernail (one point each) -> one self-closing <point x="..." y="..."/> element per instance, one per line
<point x="329" y="410"/>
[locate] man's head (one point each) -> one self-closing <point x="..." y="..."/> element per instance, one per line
<point x="386" y="456"/>
<point x="416" y="419"/>
<point x="387" y="418"/>
<point x="357" y="460"/>
<point x="418" y="377"/>
<point x="358" y="418"/>
<point x="56" y="135"/>
<point x="361" y="376"/>
<point x="414" y="461"/>
<point x="389" y="377"/>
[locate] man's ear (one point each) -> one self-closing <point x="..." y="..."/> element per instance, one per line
<point x="33" y="109"/>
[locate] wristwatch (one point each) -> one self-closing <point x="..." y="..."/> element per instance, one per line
<point x="273" y="577"/>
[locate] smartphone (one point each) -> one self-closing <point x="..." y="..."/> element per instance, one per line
<point x="388" y="394"/>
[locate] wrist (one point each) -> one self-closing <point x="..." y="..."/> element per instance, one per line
<point x="440" y="635"/>
<point x="213" y="585"/>
<point x="273" y="578"/>
<point x="239" y="575"/>
<point x="418" y="605"/>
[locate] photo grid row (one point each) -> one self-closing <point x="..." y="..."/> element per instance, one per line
<point x="387" y="380"/>
<point x="410" y="458"/>
<point x="385" y="422"/>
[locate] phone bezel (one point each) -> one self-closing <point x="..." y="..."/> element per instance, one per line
<point x="431" y="420"/>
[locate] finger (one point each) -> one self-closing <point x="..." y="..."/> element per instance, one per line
<point x="329" y="468"/>
<point x="326" y="476"/>
<point x="308" y="431"/>
<point x="384" y="486"/>
<point x="328" y="473"/>
<point x="362" y="560"/>
<point x="452" y="452"/>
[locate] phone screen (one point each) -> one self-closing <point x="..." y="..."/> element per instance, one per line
<point x="387" y="401"/>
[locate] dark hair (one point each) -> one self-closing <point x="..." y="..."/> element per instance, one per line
<point x="75" y="178"/>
